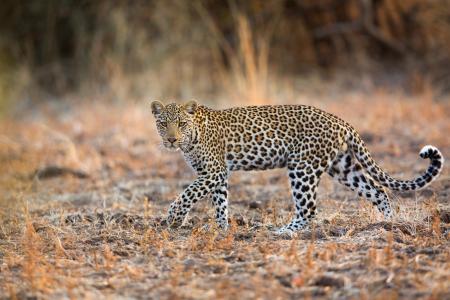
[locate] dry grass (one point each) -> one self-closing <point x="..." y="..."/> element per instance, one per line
<point x="64" y="235"/>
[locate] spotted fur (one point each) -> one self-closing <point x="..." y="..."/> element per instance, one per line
<point x="305" y="140"/>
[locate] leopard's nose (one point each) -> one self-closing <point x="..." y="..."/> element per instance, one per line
<point x="172" y="140"/>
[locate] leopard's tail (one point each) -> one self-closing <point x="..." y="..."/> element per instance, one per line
<point x="375" y="171"/>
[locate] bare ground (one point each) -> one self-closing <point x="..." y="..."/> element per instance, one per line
<point x="84" y="190"/>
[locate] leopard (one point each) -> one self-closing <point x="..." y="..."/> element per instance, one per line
<point x="305" y="140"/>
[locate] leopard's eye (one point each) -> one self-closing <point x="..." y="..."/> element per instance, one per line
<point x="182" y="124"/>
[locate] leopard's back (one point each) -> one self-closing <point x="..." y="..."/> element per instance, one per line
<point x="263" y="137"/>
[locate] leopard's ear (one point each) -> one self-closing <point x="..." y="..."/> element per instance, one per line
<point x="191" y="107"/>
<point x="157" y="107"/>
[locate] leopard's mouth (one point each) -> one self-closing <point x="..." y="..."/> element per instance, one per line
<point x="173" y="147"/>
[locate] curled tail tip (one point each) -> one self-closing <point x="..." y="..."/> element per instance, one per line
<point x="431" y="152"/>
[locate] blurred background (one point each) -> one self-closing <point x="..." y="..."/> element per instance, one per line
<point x="254" y="51"/>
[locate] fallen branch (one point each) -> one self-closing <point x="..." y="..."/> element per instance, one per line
<point x="55" y="171"/>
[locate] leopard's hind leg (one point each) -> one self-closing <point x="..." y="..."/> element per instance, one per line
<point x="220" y="201"/>
<point x="304" y="176"/>
<point x="347" y="171"/>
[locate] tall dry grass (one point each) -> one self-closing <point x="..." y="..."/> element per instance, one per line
<point x="212" y="50"/>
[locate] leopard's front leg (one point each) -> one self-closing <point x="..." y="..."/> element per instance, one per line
<point x="197" y="190"/>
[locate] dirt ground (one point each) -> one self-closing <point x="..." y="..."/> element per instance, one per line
<point x="85" y="187"/>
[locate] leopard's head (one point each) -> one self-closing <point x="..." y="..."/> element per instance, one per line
<point x="175" y="123"/>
